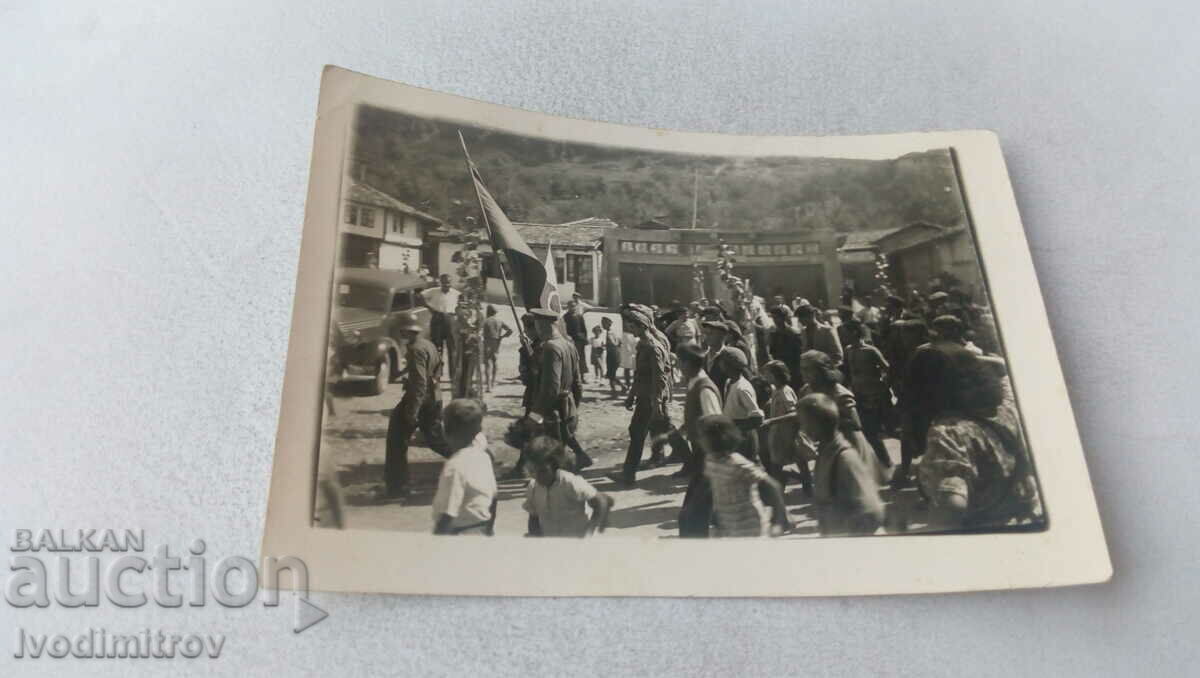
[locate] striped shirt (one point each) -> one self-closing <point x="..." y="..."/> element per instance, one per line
<point x="739" y="508"/>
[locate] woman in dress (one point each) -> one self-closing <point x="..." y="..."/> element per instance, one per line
<point x="976" y="470"/>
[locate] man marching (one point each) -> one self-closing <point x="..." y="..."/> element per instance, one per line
<point x="418" y="407"/>
<point x="559" y="386"/>
<point x="649" y="393"/>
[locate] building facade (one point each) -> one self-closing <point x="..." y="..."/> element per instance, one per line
<point x="576" y="246"/>
<point x="919" y="252"/>
<point x="659" y="266"/>
<point x="379" y="231"/>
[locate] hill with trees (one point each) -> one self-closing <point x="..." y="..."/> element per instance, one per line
<point x="420" y="161"/>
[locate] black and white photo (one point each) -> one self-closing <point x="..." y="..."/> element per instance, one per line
<point x="662" y="342"/>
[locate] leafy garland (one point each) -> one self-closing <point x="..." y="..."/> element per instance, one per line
<point x="470" y="307"/>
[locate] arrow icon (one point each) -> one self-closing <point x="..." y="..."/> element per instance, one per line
<point x="307" y="614"/>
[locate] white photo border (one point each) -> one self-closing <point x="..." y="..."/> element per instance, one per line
<point x="1070" y="551"/>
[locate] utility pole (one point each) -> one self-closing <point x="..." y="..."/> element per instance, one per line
<point x="695" y="195"/>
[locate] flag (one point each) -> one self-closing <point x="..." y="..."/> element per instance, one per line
<point x="552" y="281"/>
<point x="534" y="281"/>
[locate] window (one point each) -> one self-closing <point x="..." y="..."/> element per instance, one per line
<point x="402" y="301"/>
<point x="671" y="249"/>
<point x="395" y="222"/>
<point x="366" y="217"/>
<point x="812" y="248"/>
<point x="779" y="249"/>
<point x="656" y="248"/>
<point x="579" y="271"/>
<point x="764" y="250"/>
<point x="797" y="248"/>
<point x="639" y="247"/>
<point x="626" y="246"/>
<point x="362" y="296"/>
<point x="351" y="214"/>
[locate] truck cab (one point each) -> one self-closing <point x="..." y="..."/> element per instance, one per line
<point x="366" y="304"/>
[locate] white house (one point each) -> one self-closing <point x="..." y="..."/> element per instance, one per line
<point x="577" y="247"/>
<point x="379" y="231"/>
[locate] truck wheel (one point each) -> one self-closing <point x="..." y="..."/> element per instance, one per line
<point x="383" y="376"/>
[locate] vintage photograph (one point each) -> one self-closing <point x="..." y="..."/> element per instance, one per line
<point x="550" y="339"/>
<point x="672" y="349"/>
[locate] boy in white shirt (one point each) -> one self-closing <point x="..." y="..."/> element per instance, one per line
<point x="465" y="503"/>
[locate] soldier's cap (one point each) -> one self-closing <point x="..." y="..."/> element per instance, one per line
<point x="408" y="323"/>
<point x="543" y="314"/>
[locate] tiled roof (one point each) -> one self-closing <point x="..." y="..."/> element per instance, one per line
<point x="864" y="240"/>
<point x="364" y="193"/>
<point x="585" y="233"/>
<point x="582" y="233"/>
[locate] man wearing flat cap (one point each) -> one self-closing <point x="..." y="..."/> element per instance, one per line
<point x="650" y="390"/>
<point x="559" y="387"/>
<point x="716" y="340"/>
<point x="418" y="407"/>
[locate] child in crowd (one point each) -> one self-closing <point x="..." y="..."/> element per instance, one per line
<point x="738" y="484"/>
<point x="845" y="491"/>
<point x="741" y="401"/>
<point x="494" y="331"/>
<point x="465" y="502"/>
<point x="629" y="342"/>
<point x="782" y="445"/>
<point x="557" y="499"/>
<point x="612" y="355"/>
<point x="598" y="346"/>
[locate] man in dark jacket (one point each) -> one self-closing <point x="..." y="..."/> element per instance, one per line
<point x="650" y="391"/>
<point x="418" y="407"/>
<point x="577" y="332"/>
<point x="555" y="402"/>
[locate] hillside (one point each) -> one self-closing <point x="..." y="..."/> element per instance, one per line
<point x="420" y="162"/>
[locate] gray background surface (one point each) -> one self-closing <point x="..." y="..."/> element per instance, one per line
<point x="155" y="159"/>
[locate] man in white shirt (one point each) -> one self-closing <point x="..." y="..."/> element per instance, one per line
<point x="442" y="302"/>
<point x="465" y="503"/>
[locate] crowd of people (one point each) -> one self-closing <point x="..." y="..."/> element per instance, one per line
<point x="772" y="393"/>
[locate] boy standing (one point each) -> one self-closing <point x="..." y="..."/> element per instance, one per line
<point x="598" y="351"/>
<point x="557" y="499"/>
<point x="494" y="332"/>
<point x="612" y="355"/>
<point x="465" y="503"/>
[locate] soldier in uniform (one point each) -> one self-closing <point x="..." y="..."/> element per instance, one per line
<point x="418" y="407"/>
<point x="559" y="386"/>
<point x="650" y="391"/>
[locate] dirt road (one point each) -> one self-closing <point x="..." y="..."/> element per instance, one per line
<point x="353" y="451"/>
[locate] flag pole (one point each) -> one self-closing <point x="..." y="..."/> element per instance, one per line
<point x="492" y="239"/>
